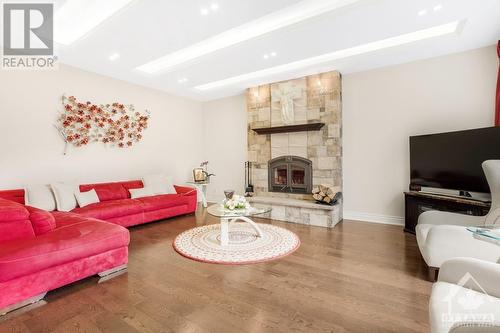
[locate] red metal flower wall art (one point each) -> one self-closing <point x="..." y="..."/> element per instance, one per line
<point x="81" y="123"/>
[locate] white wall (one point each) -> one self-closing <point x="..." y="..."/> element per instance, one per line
<point x="31" y="148"/>
<point x="225" y="144"/>
<point x="381" y="109"/>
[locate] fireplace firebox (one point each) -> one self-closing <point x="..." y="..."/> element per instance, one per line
<point x="290" y="174"/>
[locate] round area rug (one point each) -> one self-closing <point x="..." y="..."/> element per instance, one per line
<point x="203" y="244"/>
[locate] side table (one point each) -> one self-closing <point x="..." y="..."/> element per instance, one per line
<point x="201" y="187"/>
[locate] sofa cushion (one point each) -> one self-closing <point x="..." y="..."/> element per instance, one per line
<point x="162" y="201"/>
<point x="79" y="238"/>
<point x="15" y="230"/>
<point x="13" y="195"/>
<point x="107" y="191"/>
<point x="86" y="198"/>
<point x="65" y="196"/>
<point x="14" y="222"/>
<point x="132" y="184"/>
<point x="143" y="192"/>
<point x="109" y="209"/>
<point x="12" y="211"/>
<point x="41" y="220"/>
<point x="40" y="196"/>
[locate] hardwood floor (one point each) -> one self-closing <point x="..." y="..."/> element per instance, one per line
<point x="359" y="277"/>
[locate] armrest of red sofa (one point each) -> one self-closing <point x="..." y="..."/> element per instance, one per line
<point x="185" y="190"/>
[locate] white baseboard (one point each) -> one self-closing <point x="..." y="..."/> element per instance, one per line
<point x="374" y="218"/>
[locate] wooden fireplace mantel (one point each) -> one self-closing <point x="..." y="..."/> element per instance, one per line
<point x="289" y="128"/>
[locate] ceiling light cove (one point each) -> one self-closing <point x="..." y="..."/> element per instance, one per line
<point x="408" y="38"/>
<point x="298" y="12"/>
<point x="438" y="7"/>
<point x="267" y="56"/>
<point x="114" y="57"/>
<point x="76" y="18"/>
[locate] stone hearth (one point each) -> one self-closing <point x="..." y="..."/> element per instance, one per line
<point x="300" y="211"/>
<point x="311" y="99"/>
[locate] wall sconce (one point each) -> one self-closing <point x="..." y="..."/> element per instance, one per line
<point x="322" y="93"/>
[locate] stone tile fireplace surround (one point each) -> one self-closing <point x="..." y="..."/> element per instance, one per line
<point x="311" y="99"/>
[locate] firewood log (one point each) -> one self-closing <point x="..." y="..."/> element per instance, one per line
<point x="325" y="193"/>
<point x="318" y="197"/>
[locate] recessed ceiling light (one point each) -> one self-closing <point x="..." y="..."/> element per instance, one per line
<point x="214" y="6"/>
<point x="412" y="37"/>
<point x="204" y="11"/>
<point x="293" y="14"/>
<point x="114" y="56"/>
<point x="273" y="54"/>
<point x="266" y="56"/>
<point x="438" y="7"/>
<point x="76" y="18"/>
<point x="182" y="80"/>
<point x="422" y="12"/>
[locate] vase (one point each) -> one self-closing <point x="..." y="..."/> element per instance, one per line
<point x="229" y="194"/>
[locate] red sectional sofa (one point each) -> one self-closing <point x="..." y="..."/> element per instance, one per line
<point x="41" y="251"/>
<point x="116" y="206"/>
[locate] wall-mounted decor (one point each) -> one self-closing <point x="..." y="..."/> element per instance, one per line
<point x="81" y="123"/>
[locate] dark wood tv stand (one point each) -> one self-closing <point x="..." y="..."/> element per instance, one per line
<point x="418" y="202"/>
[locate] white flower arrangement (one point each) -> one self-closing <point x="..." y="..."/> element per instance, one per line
<point x="236" y="202"/>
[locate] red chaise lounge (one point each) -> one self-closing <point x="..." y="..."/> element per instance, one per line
<point x="41" y="251"/>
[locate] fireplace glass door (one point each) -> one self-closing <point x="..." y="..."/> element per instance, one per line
<point x="290" y="174"/>
<point x="281" y="175"/>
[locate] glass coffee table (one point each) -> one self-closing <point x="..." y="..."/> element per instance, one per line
<point x="227" y="216"/>
<point x="487" y="233"/>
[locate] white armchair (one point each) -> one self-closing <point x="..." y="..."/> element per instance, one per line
<point x="466" y="298"/>
<point x="443" y="235"/>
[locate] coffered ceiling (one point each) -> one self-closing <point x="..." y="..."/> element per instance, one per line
<point x="208" y="49"/>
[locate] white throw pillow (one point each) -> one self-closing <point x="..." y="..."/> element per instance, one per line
<point x="39" y="196"/>
<point x="140" y="192"/>
<point x="86" y="198"/>
<point x="65" y="196"/>
<point x="159" y="184"/>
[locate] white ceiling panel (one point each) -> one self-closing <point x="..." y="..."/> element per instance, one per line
<point x="148" y="29"/>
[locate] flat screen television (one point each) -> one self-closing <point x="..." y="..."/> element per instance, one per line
<point x="453" y="160"/>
